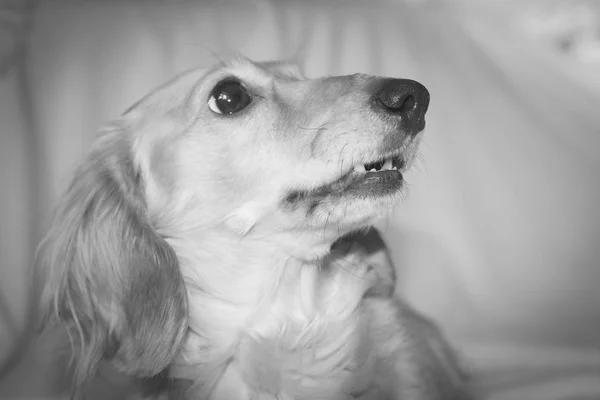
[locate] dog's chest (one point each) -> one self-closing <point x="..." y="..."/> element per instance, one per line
<point x="326" y="363"/>
<point x="308" y="343"/>
<point x="303" y="339"/>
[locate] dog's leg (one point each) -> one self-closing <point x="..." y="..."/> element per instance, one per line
<point x="416" y="360"/>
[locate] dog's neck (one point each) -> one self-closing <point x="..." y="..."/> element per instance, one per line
<point x="263" y="320"/>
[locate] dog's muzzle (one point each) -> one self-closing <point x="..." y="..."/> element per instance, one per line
<point x="402" y="104"/>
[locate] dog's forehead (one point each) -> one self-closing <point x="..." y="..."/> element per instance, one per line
<point x="288" y="69"/>
<point x="282" y="69"/>
<point x="182" y="85"/>
<point x="273" y="68"/>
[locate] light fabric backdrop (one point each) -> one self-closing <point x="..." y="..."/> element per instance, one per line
<point x="499" y="239"/>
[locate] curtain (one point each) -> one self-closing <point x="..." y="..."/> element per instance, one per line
<point x="498" y="239"/>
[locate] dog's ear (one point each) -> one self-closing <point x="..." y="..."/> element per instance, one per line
<point x="109" y="277"/>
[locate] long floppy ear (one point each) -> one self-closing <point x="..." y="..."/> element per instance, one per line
<point x="110" y="279"/>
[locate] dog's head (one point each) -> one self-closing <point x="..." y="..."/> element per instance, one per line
<point x="253" y="149"/>
<point x="268" y="152"/>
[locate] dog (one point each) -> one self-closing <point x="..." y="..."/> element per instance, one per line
<point x="218" y="238"/>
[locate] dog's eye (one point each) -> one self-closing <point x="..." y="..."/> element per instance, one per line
<point x="228" y="97"/>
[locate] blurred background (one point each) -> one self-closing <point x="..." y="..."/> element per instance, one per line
<point x="499" y="239"/>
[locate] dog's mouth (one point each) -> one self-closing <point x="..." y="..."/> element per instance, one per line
<point x="376" y="178"/>
<point x="372" y="179"/>
<point x="379" y="178"/>
<point x="391" y="163"/>
<point x="366" y="181"/>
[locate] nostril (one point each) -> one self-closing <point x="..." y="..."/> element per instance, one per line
<point x="398" y="104"/>
<point x="408" y="104"/>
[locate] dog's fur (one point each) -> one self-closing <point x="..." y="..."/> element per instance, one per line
<point x="208" y="250"/>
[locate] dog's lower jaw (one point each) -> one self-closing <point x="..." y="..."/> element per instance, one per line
<point x="268" y="323"/>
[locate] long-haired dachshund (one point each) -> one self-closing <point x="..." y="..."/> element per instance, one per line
<point x="218" y="237"/>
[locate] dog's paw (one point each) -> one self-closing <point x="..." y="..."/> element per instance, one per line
<point x="367" y="253"/>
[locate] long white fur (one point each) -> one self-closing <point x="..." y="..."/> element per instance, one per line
<point x="179" y="214"/>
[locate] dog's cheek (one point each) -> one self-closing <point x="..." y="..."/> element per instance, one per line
<point x="243" y="219"/>
<point x="161" y="167"/>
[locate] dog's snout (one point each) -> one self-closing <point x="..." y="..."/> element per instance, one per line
<point x="406" y="99"/>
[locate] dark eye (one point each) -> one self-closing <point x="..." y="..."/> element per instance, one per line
<point x="228" y="97"/>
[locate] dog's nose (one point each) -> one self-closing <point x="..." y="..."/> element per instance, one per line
<point x="406" y="99"/>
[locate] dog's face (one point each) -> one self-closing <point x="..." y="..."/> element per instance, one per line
<point x="244" y="150"/>
<point x="263" y="150"/>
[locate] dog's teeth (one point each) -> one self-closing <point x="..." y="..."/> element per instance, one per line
<point x="359" y="168"/>
<point x="372" y="170"/>
<point x="388" y="164"/>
